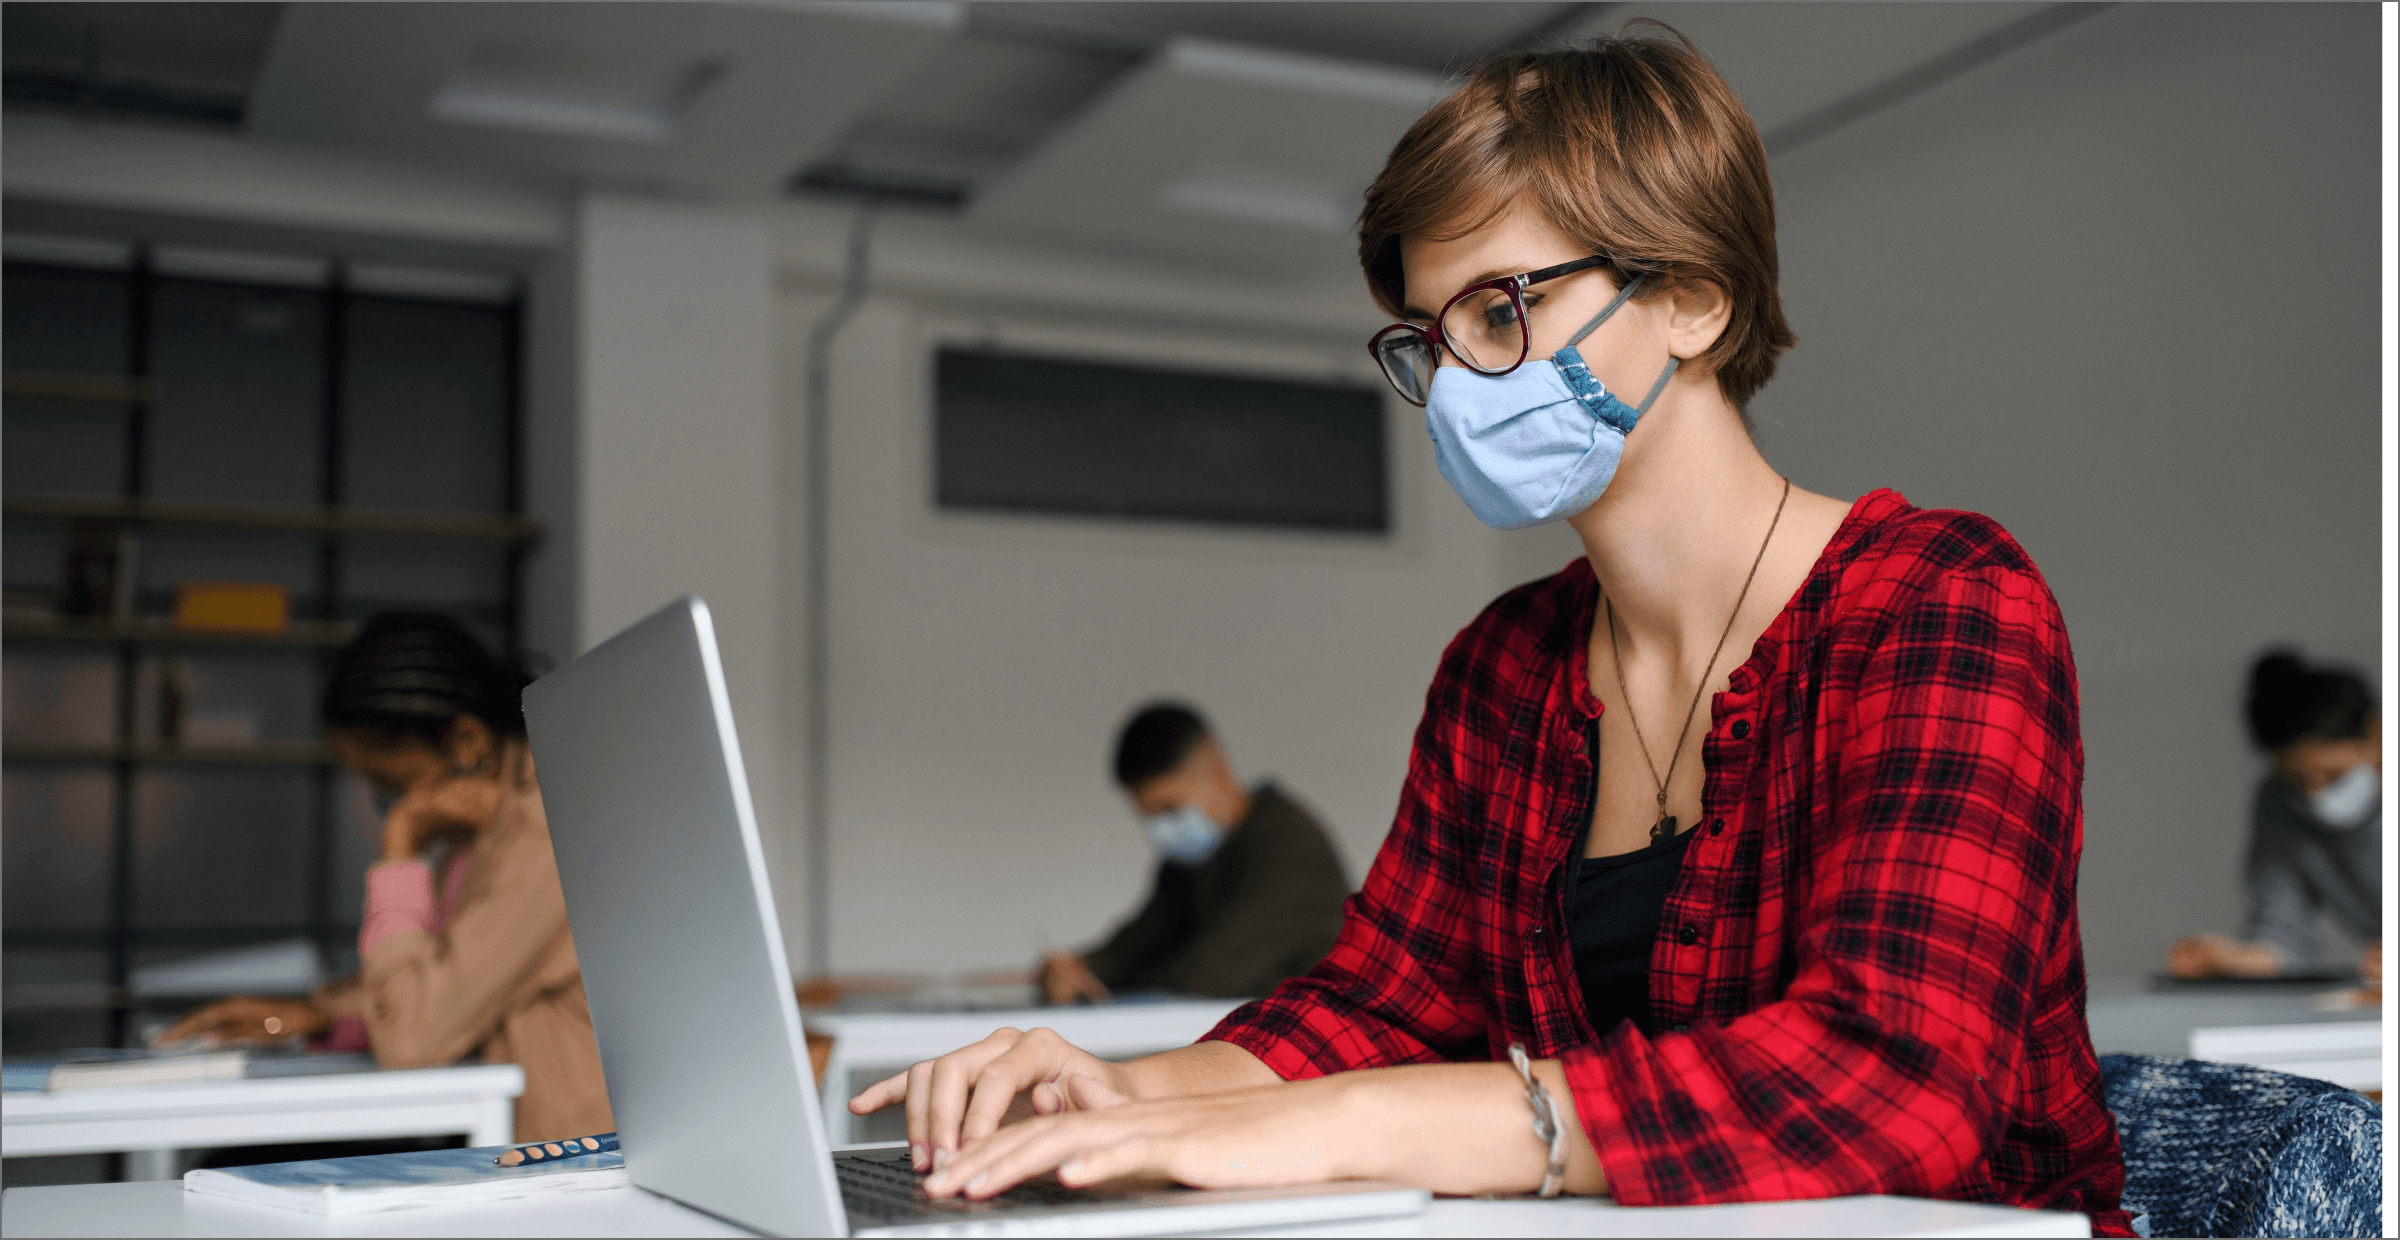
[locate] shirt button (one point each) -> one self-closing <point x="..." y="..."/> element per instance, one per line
<point x="1716" y="826"/>
<point x="1741" y="729"/>
<point x="1688" y="935"/>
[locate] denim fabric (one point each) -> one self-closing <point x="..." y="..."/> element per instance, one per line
<point x="2216" y="1149"/>
<point x="1593" y="393"/>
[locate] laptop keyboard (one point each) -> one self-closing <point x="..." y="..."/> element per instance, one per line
<point x="879" y="1188"/>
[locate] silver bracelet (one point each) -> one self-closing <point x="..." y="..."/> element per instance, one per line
<point x="1546" y="1127"/>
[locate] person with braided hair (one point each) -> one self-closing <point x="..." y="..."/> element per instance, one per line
<point x="463" y="944"/>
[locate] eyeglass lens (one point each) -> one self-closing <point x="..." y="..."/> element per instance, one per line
<point x="1486" y="329"/>
<point x="1407" y="360"/>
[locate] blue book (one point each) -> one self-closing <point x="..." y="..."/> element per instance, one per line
<point x="381" y="1182"/>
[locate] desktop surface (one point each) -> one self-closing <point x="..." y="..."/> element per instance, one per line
<point x="163" y="1210"/>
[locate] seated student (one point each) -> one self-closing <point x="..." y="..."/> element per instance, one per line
<point x="1751" y="835"/>
<point x="468" y="954"/>
<point x="2315" y="850"/>
<point x="1248" y="890"/>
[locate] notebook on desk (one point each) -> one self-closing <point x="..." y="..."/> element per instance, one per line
<point x="340" y="1187"/>
<point x="691" y="998"/>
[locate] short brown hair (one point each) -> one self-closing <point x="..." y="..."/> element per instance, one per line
<point x="1634" y="147"/>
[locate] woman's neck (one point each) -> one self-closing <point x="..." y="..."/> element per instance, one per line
<point x="1680" y="525"/>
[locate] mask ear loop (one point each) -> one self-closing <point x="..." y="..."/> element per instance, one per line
<point x="1602" y="317"/>
<point x="1660" y="386"/>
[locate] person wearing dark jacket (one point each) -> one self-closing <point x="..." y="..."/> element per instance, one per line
<point x="2316" y="855"/>
<point x="1248" y="890"/>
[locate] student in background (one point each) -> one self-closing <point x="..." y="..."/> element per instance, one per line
<point x="464" y="942"/>
<point x="1248" y="891"/>
<point x="2315" y="852"/>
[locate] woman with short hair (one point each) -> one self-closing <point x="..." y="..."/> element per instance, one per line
<point x="463" y="944"/>
<point x="1817" y="939"/>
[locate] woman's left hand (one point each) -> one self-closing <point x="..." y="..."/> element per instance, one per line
<point x="461" y="806"/>
<point x="1265" y="1137"/>
<point x="248" y="1022"/>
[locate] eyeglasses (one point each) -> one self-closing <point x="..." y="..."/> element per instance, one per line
<point x="1485" y="327"/>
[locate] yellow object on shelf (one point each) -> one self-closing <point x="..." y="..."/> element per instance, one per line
<point x="232" y="607"/>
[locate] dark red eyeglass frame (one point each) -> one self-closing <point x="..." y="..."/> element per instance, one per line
<point x="1514" y="286"/>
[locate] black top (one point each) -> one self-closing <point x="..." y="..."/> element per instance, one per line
<point x="1613" y="909"/>
<point x="1265" y="906"/>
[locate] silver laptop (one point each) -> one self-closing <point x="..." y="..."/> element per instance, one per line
<point x="692" y="1000"/>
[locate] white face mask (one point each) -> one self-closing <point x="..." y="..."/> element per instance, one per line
<point x="2348" y="802"/>
<point x="1184" y="835"/>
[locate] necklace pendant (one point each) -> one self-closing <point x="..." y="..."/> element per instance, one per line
<point x="1663" y="830"/>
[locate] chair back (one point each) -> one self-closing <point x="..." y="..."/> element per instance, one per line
<point x="2215" y="1149"/>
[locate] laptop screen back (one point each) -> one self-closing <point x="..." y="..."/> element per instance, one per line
<point x="682" y="957"/>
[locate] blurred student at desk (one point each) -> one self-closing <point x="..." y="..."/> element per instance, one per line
<point x="2315" y="853"/>
<point x="466" y="953"/>
<point x="1248" y="891"/>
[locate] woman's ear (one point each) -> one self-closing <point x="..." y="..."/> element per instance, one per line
<point x="1696" y="315"/>
<point x="470" y="745"/>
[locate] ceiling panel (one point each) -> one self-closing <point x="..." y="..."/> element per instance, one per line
<point x="719" y="98"/>
<point x="1436" y="37"/>
<point x="1787" y="60"/>
<point x="1236" y="154"/>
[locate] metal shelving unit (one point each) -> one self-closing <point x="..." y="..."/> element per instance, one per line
<point x="260" y="753"/>
<point x="132" y="394"/>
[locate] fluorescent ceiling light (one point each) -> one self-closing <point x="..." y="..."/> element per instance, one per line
<point x="1263" y="204"/>
<point x="559" y="91"/>
<point x="1305" y="74"/>
<point x="505" y="109"/>
<point x="943" y="15"/>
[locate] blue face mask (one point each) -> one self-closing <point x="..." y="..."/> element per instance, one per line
<point x="1538" y="443"/>
<point x="1184" y="836"/>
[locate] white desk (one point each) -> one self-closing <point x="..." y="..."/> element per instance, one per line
<point x="869" y="1046"/>
<point x="162" y="1210"/>
<point x="2272" y="1026"/>
<point x="153" y="1122"/>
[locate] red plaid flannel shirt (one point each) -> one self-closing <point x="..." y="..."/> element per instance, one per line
<point x="1869" y="975"/>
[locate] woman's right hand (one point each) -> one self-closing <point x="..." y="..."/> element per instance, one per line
<point x="458" y="806"/>
<point x="968" y="1093"/>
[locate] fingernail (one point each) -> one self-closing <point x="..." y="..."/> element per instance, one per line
<point x="1071" y="1171"/>
<point x="916" y="1155"/>
<point x="977" y="1182"/>
<point x="942" y="1158"/>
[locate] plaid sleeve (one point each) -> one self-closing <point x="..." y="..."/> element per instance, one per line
<point x="1945" y="847"/>
<point x="1397" y="986"/>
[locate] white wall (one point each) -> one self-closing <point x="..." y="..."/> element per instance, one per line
<point x="982" y="664"/>
<point x="2117" y="290"/>
<point x="678" y="446"/>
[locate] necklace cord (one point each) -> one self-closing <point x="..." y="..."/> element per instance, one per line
<point x="1617" y="658"/>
